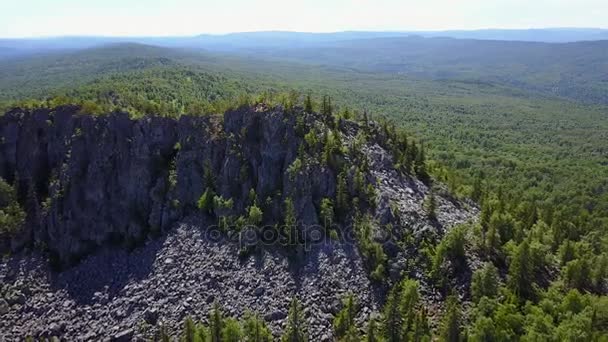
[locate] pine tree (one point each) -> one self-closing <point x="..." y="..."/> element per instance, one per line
<point x="372" y="330"/>
<point x="430" y="205"/>
<point x="450" y="325"/>
<point x="342" y="204"/>
<point x="308" y="104"/>
<point x="216" y="323"/>
<point x="295" y="330"/>
<point x="484" y="282"/>
<point x="327" y="213"/>
<point x="407" y="306"/>
<point x="392" y="317"/>
<point x="189" y="330"/>
<point x="421" y="331"/>
<point x="476" y="192"/>
<point x="163" y="334"/>
<point x="420" y="165"/>
<point x="289" y="222"/>
<point x="521" y="275"/>
<point x="231" y="332"/>
<point x="344" y="322"/>
<point x="255" y="329"/>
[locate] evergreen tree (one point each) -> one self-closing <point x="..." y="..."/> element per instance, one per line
<point x="344" y="322"/>
<point x="484" y="282"/>
<point x="216" y="323"/>
<point x="289" y="223"/>
<point x="255" y="329"/>
<point x="421" y="332"/>
<point x="163" y="334"/>
<point x="231" y="332"/>
<point x="372" y="330"/>
<point x="392" y="317"/>
<point x="521" y="275"/>
<point x="420" y="165"/>
<point x="476" y="192"/>
<point x="342" y="204"/>
<point x="409" y="297"/>
<point x="205" y="202"/>
<point x="308" y="104"/>
<point x="450" y="325"/>
<point x="327" y="213"/>
<point x="295" y="330"/>
<point x="189" y="330"/>
<point x="430" y="205"/>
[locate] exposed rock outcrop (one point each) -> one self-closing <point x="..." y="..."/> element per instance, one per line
<point x="96" y="183"/>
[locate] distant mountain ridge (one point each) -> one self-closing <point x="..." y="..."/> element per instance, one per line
<point x="232" y="41"/>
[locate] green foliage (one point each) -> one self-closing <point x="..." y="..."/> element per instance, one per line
<point x="294" y="168"/>
<point x="254" y="215"/>
<point x="372" y="334"/>
<point x="451" y="321"/>
<point x="290" y="228"/>
<point x="296" y="325"/>
<point x="430" y="205"/>
<point x="220" y="202"/>
<point x="206" y="201"/>
<point x="372" y="251"/>
<point x="231" y="331"/>
<point x="344" y="322"/>
<point x="12" y="216"/>
<point x="308" y="107"/>
<point x="404" y="319"/>
<point x="485" y="282"/>
<point x="450" y="249"/>
<point x="255" y="329"/>
<point x="521" y="272"/>
<point x="216" y="323"/>
<point x="327" y="213"/>
<point x="342" y="197"/>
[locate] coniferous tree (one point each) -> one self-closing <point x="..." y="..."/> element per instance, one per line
<point x="409" y="297"/>
<point x="308" y="104"/>
<point x="520" y="279"/>
<point x="392" y="317"/>
<point x="372" y="330"/>
<point x="342" y="204"/>
<point x="327" y="213"/>
<point x="289" y="222"/>
<point x="421" y="331"/>
<point x="255" y="329"/>
<point x="484" y="282"/>
<point x="189" y="330"/>
<point x="295" y="330"/>
<point x="450" y="325"/>
<point x="231" y="332"/>
<point x="163" y="334"/>
<point x="420" y="165"/>
<point x="216" y="323"/>
<point x="430" y="205"/>
<point x="344" y="322"/>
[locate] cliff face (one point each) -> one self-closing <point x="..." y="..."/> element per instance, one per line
<point x="86" y="181"/>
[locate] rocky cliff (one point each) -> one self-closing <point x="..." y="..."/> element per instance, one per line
<point x="91" y="182"/>
<point x="87" y="181"/>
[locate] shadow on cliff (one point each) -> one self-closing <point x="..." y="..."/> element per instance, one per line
<point x="106" y="272"/>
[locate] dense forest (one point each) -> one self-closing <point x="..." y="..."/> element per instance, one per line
<point x="535" y="164"/>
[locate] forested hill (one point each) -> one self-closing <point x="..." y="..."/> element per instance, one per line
<point x="533" y="266"/>
<point x="575" y="71"/>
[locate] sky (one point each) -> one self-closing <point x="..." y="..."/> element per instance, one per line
<point x="45" y="18"/>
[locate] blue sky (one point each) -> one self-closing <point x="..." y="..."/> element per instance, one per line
<point x="31" y="18"/>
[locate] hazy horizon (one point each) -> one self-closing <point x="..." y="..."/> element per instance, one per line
<point x="155" y="18"/>
<point x="489" y="29"/>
